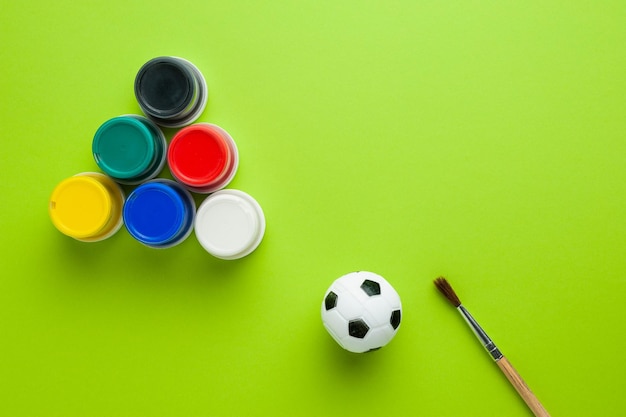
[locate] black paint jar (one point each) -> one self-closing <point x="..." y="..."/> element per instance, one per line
<point x="171" y="91"/>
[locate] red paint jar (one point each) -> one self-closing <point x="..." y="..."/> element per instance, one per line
<point x="203" y="157"/>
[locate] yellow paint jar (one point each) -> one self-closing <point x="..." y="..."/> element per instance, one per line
<point x="87" y="207"/>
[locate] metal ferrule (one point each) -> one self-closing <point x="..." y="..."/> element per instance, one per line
<point x="480" y="334"/>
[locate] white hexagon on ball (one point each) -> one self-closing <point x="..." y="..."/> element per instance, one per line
<point x="361" y="311"/>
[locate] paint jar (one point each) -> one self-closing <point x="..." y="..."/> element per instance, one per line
<point x="130" y="149"/>
<point x="171" y="91"/>
<point x="159" y="213"/>
<point x="229" y="224"/>
<point x="203" y="157"/>
<point x="87" y="207"/>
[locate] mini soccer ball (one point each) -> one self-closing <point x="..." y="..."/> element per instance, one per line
<point x="361" y="311"/>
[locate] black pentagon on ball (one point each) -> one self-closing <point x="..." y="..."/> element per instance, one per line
<point x="371" y="287"/>
<point x="395" y="319"/>
<point x="330" y="301"/>
<point x="357" y="328"/>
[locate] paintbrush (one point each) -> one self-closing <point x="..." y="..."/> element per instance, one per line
<point x="503" y="363"/>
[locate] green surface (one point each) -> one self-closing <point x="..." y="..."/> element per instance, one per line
<point x="480" y="140"/>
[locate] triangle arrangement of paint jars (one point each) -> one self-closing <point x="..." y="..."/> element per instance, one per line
<point x="132" y="150"/>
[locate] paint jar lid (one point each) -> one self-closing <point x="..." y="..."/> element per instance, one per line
<point x="80" y="206"/>
<point x="230" y="224"/>
<point x="123" y="147"/>
<point x="164" y="86"/>
<point x="198" y="155"/>
<point x="155" y="213"/>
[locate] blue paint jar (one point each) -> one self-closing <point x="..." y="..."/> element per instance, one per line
<point x="130" y="149"/>
<point x="159" y="213"/>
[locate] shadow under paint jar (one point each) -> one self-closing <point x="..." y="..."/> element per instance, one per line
<point x="229" y="224"/>
<point x="203" y="157"/>
<point x="159" y="213"/>
<point x="171" y="91"/>
<point x="130" y="149"/>
<point x="87" y="207"/>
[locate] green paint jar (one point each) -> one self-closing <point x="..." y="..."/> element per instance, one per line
<point x="130" y="149"/>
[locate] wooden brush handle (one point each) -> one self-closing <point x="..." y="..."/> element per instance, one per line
<point x="516" y="380"/>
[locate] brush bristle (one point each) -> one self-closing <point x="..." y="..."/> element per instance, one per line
<point x="446" y="289"/>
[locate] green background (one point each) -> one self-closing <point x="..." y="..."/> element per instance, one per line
<point x="480" y="140"/>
